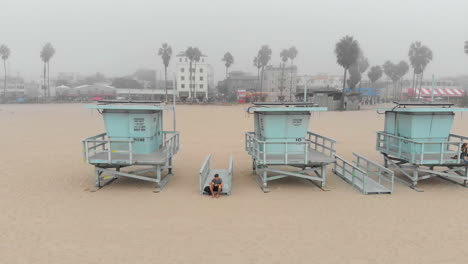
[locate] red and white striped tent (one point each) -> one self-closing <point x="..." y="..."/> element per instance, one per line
<point x="442" y="92"/>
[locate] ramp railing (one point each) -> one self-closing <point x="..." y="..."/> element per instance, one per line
<point x="171" y="143"/>
<point x="417" y="152"/>
<point x="204" y="172"/>
<point x="285" y="151"/>
<point x="364" y="174"/>
<point x="91" y="147"/>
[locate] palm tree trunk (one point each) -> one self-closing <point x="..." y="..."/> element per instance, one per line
<point x="48" y="79"/>
<point x="190" y="81"/>
<point x="343" y="92"/>
<point x="261" y="84"/>
<point x="195" y="81"/>
<point x="45" y="76"/>
<point x="165" y="81"/>
<point x="421" y="81"/>
<point x="291" y="81"/>
<point x="4" y="82"/>
<point x="282" y="83"/>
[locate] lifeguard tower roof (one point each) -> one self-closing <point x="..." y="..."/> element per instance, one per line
<point x="127" y="105"/>
<point x="423" y="108"/>
<point x="285" y="107"/>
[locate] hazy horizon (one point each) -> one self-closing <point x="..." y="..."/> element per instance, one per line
<point x="117" y="37"/>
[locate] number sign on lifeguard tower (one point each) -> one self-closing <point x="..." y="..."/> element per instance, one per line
<point x="417" y="139"/>
<point x="134" y="137"/>
<point x="281" y="138"/>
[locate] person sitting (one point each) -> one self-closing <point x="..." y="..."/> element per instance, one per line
<point x="216" y="185"/>
<point x="463" y="153"/>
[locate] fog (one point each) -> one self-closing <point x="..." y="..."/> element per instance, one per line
<point x="115" y="37"/>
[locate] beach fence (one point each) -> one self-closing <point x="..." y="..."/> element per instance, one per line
<point x="417" y="142"/>
<point x="281" y="139"/>
<point x="134" y="137"/>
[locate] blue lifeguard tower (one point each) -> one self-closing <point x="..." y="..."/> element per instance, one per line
<point x="417" y="142"/>
<point x="134" y="137"/>
<point x="281" y="138"/>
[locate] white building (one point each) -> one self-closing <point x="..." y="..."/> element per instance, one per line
<point x="200" y="77"/>
<point x="320" y="81"/>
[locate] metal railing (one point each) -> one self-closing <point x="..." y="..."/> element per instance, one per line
<point x="418" y="152"/>
<point x="322" y="144"/>
<point x="171" y="143"/>
<point x="92" y="144"/>
<point x="102" y="144"/>
<point x="365" y="174"/>
<point x="204" y="172"/>
<point x="290" y="152"/>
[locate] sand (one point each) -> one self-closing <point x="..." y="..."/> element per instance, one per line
<point x="49" y="216"/>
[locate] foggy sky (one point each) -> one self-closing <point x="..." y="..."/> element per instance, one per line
<point x="115" y="37"/>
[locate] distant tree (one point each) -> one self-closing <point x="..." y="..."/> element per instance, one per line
<point x="126" y="82"/>
<point x="228" y="61"/>
<point x="61" y="82"/>
<point x="375" y="73"/>
<point x="402" y="69"/>
<point x="165" y="51"/>
<point x="264" y="56"/>
<point x="47" y="53"/>
<point x="362" y="66"/>
<point x="94" y="78"/>
<point x="466" y="47"/>
<point x="257" y="65"/>
<point x="284" y="54"/>
<point x="354" y="76"/>
<point x="395" y="72"/>
<point x="419" y="57"/>
<point x="5" y="53"/>
<point x="146" y="75"/>
<point x="292" y="55"/>
<point x="347" y="52"/>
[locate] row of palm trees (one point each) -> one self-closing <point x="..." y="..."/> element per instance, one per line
<point x="349" y="56"/>
<point x="46" y="55"/>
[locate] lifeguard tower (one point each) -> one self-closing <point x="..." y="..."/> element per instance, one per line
<point x="134" y="137"/>
<point x="417" y="142"/>
<point x="281" y="138"/>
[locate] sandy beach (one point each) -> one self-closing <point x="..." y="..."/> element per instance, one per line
<point x="48" y="214"/>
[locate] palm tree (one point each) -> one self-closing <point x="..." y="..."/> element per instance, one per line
<point x="47" y="53"/>
<point x="374" y="74"/>
<point x="466" y="47"/>
<point x="284" y="58"/>
<point x="354" y="77"/>
<point x="228" y="61"/>
<point x="292" y="56"/>
<point x="395" y="72"/>
<point x="402" y="69"/>
<point x="347" y="52"/>
<point x="165" y="51"/>
<point x="264" y="56"/>
<point x="419" y="56"/>
<point x="193" y="54"/>
<point x="257" y="65"/>
<point x="5" y="53"/>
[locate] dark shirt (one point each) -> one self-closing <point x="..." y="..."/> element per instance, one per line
<point x="217" y="181"/>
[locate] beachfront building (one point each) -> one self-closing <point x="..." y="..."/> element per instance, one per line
<point x="278" y="85"/>
<point x="200" y="77"/>
<point x="85" y="93"/>
<point x="19" y="90"/>
<point x="237" y="81"/>
<point x="319" y="81"/>
<point x="443" y="90"/>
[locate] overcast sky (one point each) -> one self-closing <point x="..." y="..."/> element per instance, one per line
<point x="115" y="37"/>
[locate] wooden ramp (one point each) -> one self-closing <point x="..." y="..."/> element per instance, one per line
<point x="207" y="174"/>
<point x="365" y="175"/>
